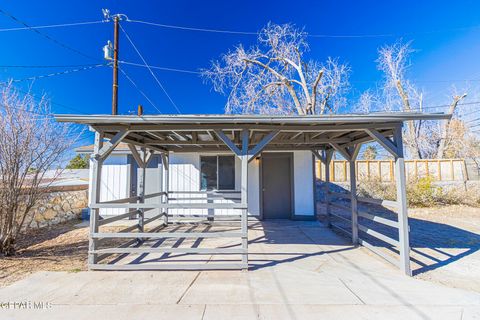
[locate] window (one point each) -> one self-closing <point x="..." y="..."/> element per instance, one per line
<point x="217" y="173"/>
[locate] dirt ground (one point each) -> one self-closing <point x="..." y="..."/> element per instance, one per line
<point x="446" y="245"/>
<point x="445" y="248"/>
<point x="58" y="248"/>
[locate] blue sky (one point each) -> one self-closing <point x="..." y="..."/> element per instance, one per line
<point x="445" y="34"/>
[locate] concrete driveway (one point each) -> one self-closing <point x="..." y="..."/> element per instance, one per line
<point x="300" y="270"/>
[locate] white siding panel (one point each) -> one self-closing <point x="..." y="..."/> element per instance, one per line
<point x="185" y="176"/>
<point x="114" y="185"/>
<point x="152" y="185"/>
<point x="254" y="188"/>
<point x="303" y="182"/>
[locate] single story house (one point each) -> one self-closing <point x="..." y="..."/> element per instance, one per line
<point x="230" y="167"/>
<point x="270" y="195"/>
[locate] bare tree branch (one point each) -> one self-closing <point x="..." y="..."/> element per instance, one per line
<point x="245" y="75"/>
<point x="31" y="143"/>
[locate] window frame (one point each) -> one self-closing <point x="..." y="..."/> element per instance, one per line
<point x="217" y="156"/>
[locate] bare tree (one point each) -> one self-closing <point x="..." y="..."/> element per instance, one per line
<point x="30" y="144"/>
<point x="422" y="138"/>
<point x="394" y="61"/>
<point x="273" y="77"/>
<point x="367" y="102"/>
<point x="446" y="129"/>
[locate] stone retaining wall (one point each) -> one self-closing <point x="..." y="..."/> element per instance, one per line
<point x="58" y="206"/>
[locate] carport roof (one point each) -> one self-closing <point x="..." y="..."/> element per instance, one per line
<point x="190" y="133"/>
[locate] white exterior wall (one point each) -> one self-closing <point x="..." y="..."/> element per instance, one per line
<point x="115" y="181"/>
<point x="303" y="183"/>
<point x="185" y="176"/>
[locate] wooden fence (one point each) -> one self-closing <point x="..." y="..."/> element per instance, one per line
<point x="383" y="170"/>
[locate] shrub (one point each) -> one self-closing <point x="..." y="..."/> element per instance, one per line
<point x="421" y="192"/>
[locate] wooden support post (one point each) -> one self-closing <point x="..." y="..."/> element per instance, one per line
<point x="452" y="171"/>
<point x="96" y="167"/>
<point x="353" y="151"/>
<point x="328" y="159"/>
<point x="165" y="185"/>
<point x="403" y="227"/>
<point x="141" y="190"/>
<point x="244" y="197"/>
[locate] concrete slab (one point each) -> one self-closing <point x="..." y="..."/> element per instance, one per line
<point x="298" y="271"/>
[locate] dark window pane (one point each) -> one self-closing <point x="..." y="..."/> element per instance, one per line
<point x="208" y="173"/>
<point x="226" y="173"/>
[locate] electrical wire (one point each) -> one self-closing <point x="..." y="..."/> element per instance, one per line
<point x="235" y="32"/>
<point x="46" y="36"/>
<point x="345" y="36"/>
<point x="149" y="69"/>
<point x="158" y="68"/>
<point x="47" y="66"/>
<point x="51" y="102"/>
<point x="53" y="26"/>
<point x="191" y="29"/>
<point x="57" y="73"/>
<point x="138" y="88"/>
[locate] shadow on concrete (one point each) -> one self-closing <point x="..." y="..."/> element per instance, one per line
<point x="433" y="245"/>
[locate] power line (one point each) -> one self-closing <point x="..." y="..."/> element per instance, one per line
<point x="159" y="68"/>
<point x="225" y="31"/>
<point x="50" y="101"/>
<point x="47" y="66"/>
<point x="46" y="36"/>
<point x="191" y="28"/>
<point x="53" y="26"/>
<point x="346" y="36"/>
<point x="139" y="90"/>
<point x="57" y="73"/>
<point x="149" y="69"/>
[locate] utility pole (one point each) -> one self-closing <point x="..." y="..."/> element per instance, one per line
<point x="115" y="66"/>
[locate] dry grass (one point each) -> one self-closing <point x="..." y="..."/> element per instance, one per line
<point x="421" y="193"/>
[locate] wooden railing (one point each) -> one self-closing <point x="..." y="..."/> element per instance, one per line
<point x="383" y="170"/>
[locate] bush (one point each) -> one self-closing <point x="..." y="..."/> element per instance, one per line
<point x="421" y="192"/>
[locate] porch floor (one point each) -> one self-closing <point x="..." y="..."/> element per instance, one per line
<point x="298" y="270"/>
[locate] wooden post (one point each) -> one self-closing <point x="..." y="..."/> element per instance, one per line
<point x="353" y="202"/>
<point x="244" y="197"/>
<point x="141" y="190"/>
<point x="332" y="170"/>
<point x="328" y="159"/>
<point x="379" y="170"/>
<point x="165" y="185"/>
<point x="415" y="169"/>
<point x="403" y="228"/>
<point x="391" y="170"/>
<point x="353" y="192"/>
<point x="452" y="171"/>
<point x="96" y="167"/>
<point x="439" y="168"/>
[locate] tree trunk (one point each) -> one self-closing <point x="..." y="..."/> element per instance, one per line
<point x="446" y="126"/>
<point x="412" y="145"/>
<point x="7" y="245"/>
